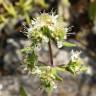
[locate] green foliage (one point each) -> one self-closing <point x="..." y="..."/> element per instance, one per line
<point x="68" y="44"/>
<point x="42" y="3"/>
<point x="9" y="8"/>
<point x="75" y="67"/>
<point x="21" y="9"/>
<point x="92" y="10"/>
<point x="22" y="91"/>
<point x="75" y="64"/>
<point x="47" y="75"/>
<point x="25" y="6"/>
<point x="30" y="58"/>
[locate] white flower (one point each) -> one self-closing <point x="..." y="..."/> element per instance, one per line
<point x="55" y="25"/>
<point x="75" y="55"/>
<point x="45" y="39"/>
<point x="36" y="71"/>
<point x="53" y="84"/>
<point x="44" y="20"/>
<point x="59" y="44"/>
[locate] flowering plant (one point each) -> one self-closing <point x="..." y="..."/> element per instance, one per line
<point x="44" y="29"/>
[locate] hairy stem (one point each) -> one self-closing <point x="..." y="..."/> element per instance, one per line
<point x="50" y="52"/>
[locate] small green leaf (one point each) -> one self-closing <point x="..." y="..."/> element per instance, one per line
<point x="57" y="77"/>
<point x="70" y="69"/>
<point x="92" y="10"/>
<point x="62" y="69"/>
<point x="42" y="3"/>
<point x="68" y="44"/>
<point x="22" y="91"/>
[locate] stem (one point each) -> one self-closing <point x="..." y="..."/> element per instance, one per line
<point x="50" y="52"/>
<point x="43" y="63"/>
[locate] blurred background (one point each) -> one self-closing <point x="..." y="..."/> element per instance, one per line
<point x="16" y="15"/>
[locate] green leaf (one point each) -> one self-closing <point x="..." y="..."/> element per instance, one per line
<point x="27" y="17"/>
<point x="68" y="44"/>
<point x="72" y="67"/>
<point x="42" y="3"/>
<point x="26" y="50"/>
<point x="71" y="70"/>
<point x="92" y="10"/>
<point x="57" y="77"/>
<point x="22" y="91"/>
<point x="62" y="69"/>
<point x="10" y="8"/>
